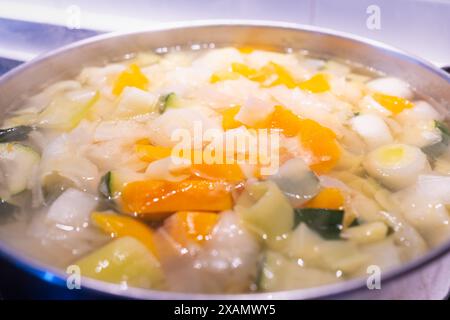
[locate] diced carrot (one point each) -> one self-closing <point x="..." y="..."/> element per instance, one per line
<point x="121" y="226"/>
<point x="392" y="103"/>
<point x="246" y="49"/>
<point x="273" y="74"/>
<point x="322" y="144"/>
<point x="328" y="198"/>
<point x="143" y="141"/>
<point x="316" y="84"/>
<point x="132" y="77"/>
<point x="286" y="120"/>
<point x="228" y="121"/>
<point x="223" y="171"/>
<point x="195" y="226"/>
<point x="250" y="49"/>
<point x="223" y="75"/>
<point x="149" y="198"/>
<point x="243" y="69"/>
<point x="151" y="153"/>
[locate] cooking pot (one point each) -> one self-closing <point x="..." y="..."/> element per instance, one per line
<point x="427" y="277"/>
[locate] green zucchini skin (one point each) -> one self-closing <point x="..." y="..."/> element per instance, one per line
<point x="326" y="222"/>
<point x="19" y="133"/>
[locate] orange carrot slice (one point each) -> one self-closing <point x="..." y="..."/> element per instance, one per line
<point x="152" y="197"/>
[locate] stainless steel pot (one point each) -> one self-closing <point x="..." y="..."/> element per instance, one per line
<point x="426" y="277"/>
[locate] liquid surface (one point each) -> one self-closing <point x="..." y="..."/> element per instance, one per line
<point x="226" y="170"/>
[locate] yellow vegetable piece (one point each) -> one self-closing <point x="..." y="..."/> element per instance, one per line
<point x="328" y="198"/>
<point x="392" y="103"/>
<point x="243" y="69"/>
<point x="223" y="75"/>
<point x="65" y="114"/>
<point x="246" y="49"/>
<point x="250" y="49"/>
<point x="316" y="84"/>
<point x="286" y="120"/>
<point x="222" y="171"/>
<point x="228" y="121"/>
<point x="273" y="74"/>
<point x="321" y="143"/>
<point x="151" y="153"/>
<point x="120" y="226"/>
<point x="151" y="198"/>
<point x="314" y="138"/>
<point x="124" y="261"/>
<point x="185" y="226"/>
<point x="392" y="156"/>
<point x="264" y="208"/>
<point x="132" y="77"/>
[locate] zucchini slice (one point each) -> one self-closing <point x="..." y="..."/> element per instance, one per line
<point x="126" y="261"/>
<point x="112" y="183"/>
<point x="65" y="113"/>
<point x="326" y="222"/>
<point x="168" y="101"/>
<point x="18" y="133"/>
<point x="16" y="164"/>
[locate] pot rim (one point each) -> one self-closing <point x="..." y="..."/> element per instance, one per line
<point x="57" y="276"/>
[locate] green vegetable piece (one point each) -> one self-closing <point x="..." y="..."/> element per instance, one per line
<point x="126" y="261"/>
<point x="167" y="101"/>
<point x="328" y="223"/>
<point x="17" y="162"/>
<point x="435" y="150"/>
<point x="14" y="134"/>
<point x="104" y="187"/>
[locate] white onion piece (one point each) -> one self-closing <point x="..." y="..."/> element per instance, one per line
<point x="421" y="110"/>
<point x="434" y="187"/>
<point x="396" y="165"/>
<point x="372" y="129"/>
<point x="424" y="211"/>
<point x="170" y="169"/>
<point x="420" y="133"/>
<point x="174" y="125"/>
<point x="134" y="101"/>
<point x="72" y="208"/>
<point x="254" y="110"/>
<point x="121" y="129"/>
<point x="391" y="86"/>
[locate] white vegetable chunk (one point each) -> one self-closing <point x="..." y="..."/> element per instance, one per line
<point x="421" y="110"/>
<point x="425" y="211"/>
<point x="176" y="126"/>
<point x="134" y="101"/>
<point x="372" y="129"/>
<point x="366" y="233"/>
<point x="434" y="187"/>
<point x="396" y="165"/>
<point x="72" y="208"/>
<point x="391" y="86"/>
